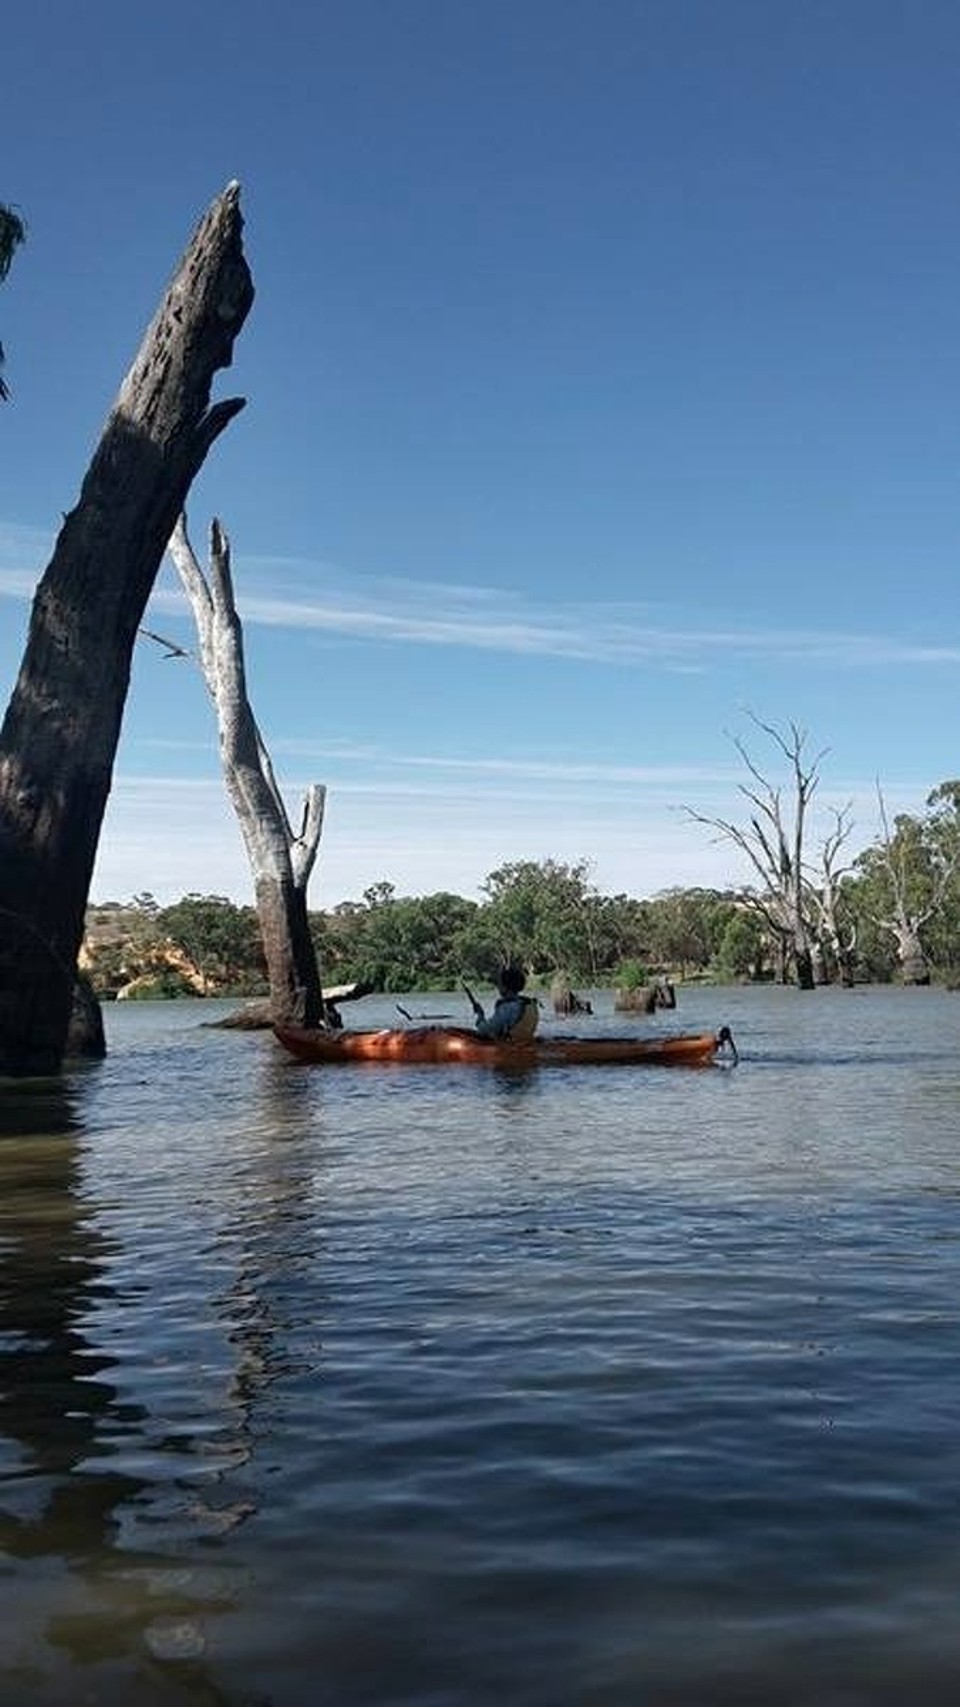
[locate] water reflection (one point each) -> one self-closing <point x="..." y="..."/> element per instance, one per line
<point x="50" y="1258"/>
<point x="65" y="1504"/>
<point x="37" y="1106"/>
<point x="267" y="1242"/>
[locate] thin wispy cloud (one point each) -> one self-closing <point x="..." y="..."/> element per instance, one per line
<point x="587" y="634"/>
<point x="522" y="769"/>
<point x="405" y="612"/>
<point x="378" y="759"/>
<point x="402" y="611"/>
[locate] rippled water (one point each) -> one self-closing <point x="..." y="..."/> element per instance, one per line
<point x="428" y="1386"/>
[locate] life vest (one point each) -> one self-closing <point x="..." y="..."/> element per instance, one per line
<point x="522" y="1031"/>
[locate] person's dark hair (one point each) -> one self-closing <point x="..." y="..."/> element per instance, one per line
<point x="512" y="979"/>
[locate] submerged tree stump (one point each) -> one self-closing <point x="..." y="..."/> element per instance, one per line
<point x="646" y="998"/>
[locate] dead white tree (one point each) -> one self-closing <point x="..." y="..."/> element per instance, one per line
<point x="835" y="937"/>
<point x="773" y="842"/>
<point x="280" y="860"/>
<point x="912" y="904"/>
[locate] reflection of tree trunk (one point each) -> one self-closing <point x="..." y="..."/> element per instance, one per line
<point x="281" y="862"/>
<point x="54" y="1398"/>
<point x="60" y="733"/>
<point x="79" y="1506"/>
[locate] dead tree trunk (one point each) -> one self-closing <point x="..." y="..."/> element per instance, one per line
<point x="280" y="861"/>
<point x="914" y="966"/>
<point x="834" y="938"/>
<point x="60" y="733"/>
<point x="908" y="915"/>
<point x="775" y="849"/>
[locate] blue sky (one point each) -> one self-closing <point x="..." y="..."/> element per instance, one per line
<point x="603" y="385"/>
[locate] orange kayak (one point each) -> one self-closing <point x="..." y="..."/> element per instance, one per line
<point x="456" y="1046"/>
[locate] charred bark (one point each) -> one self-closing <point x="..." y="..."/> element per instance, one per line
<point x="60" y="733"/>
<point x="85" y="1035"/>
<point x="280" y="861"/>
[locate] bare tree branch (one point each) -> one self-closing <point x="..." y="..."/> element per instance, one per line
<point x="281" y="862"/>
<point x="773" y="842"/>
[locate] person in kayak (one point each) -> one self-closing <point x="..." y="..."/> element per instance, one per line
<point x="515" y="1016"/>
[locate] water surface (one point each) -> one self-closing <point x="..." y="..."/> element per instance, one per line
<point x="429" y="1386"/>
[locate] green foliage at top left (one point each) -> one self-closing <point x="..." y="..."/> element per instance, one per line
<point x="13" y="232"/>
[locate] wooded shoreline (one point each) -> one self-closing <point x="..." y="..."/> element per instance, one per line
<point x="544" y="913"/>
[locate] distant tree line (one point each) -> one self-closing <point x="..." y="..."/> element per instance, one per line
<point x="549" y="914"/>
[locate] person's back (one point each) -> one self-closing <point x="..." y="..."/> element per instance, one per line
<point x="515" y="1016"/>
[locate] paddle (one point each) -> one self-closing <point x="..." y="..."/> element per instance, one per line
<point x="471" y="998"/>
